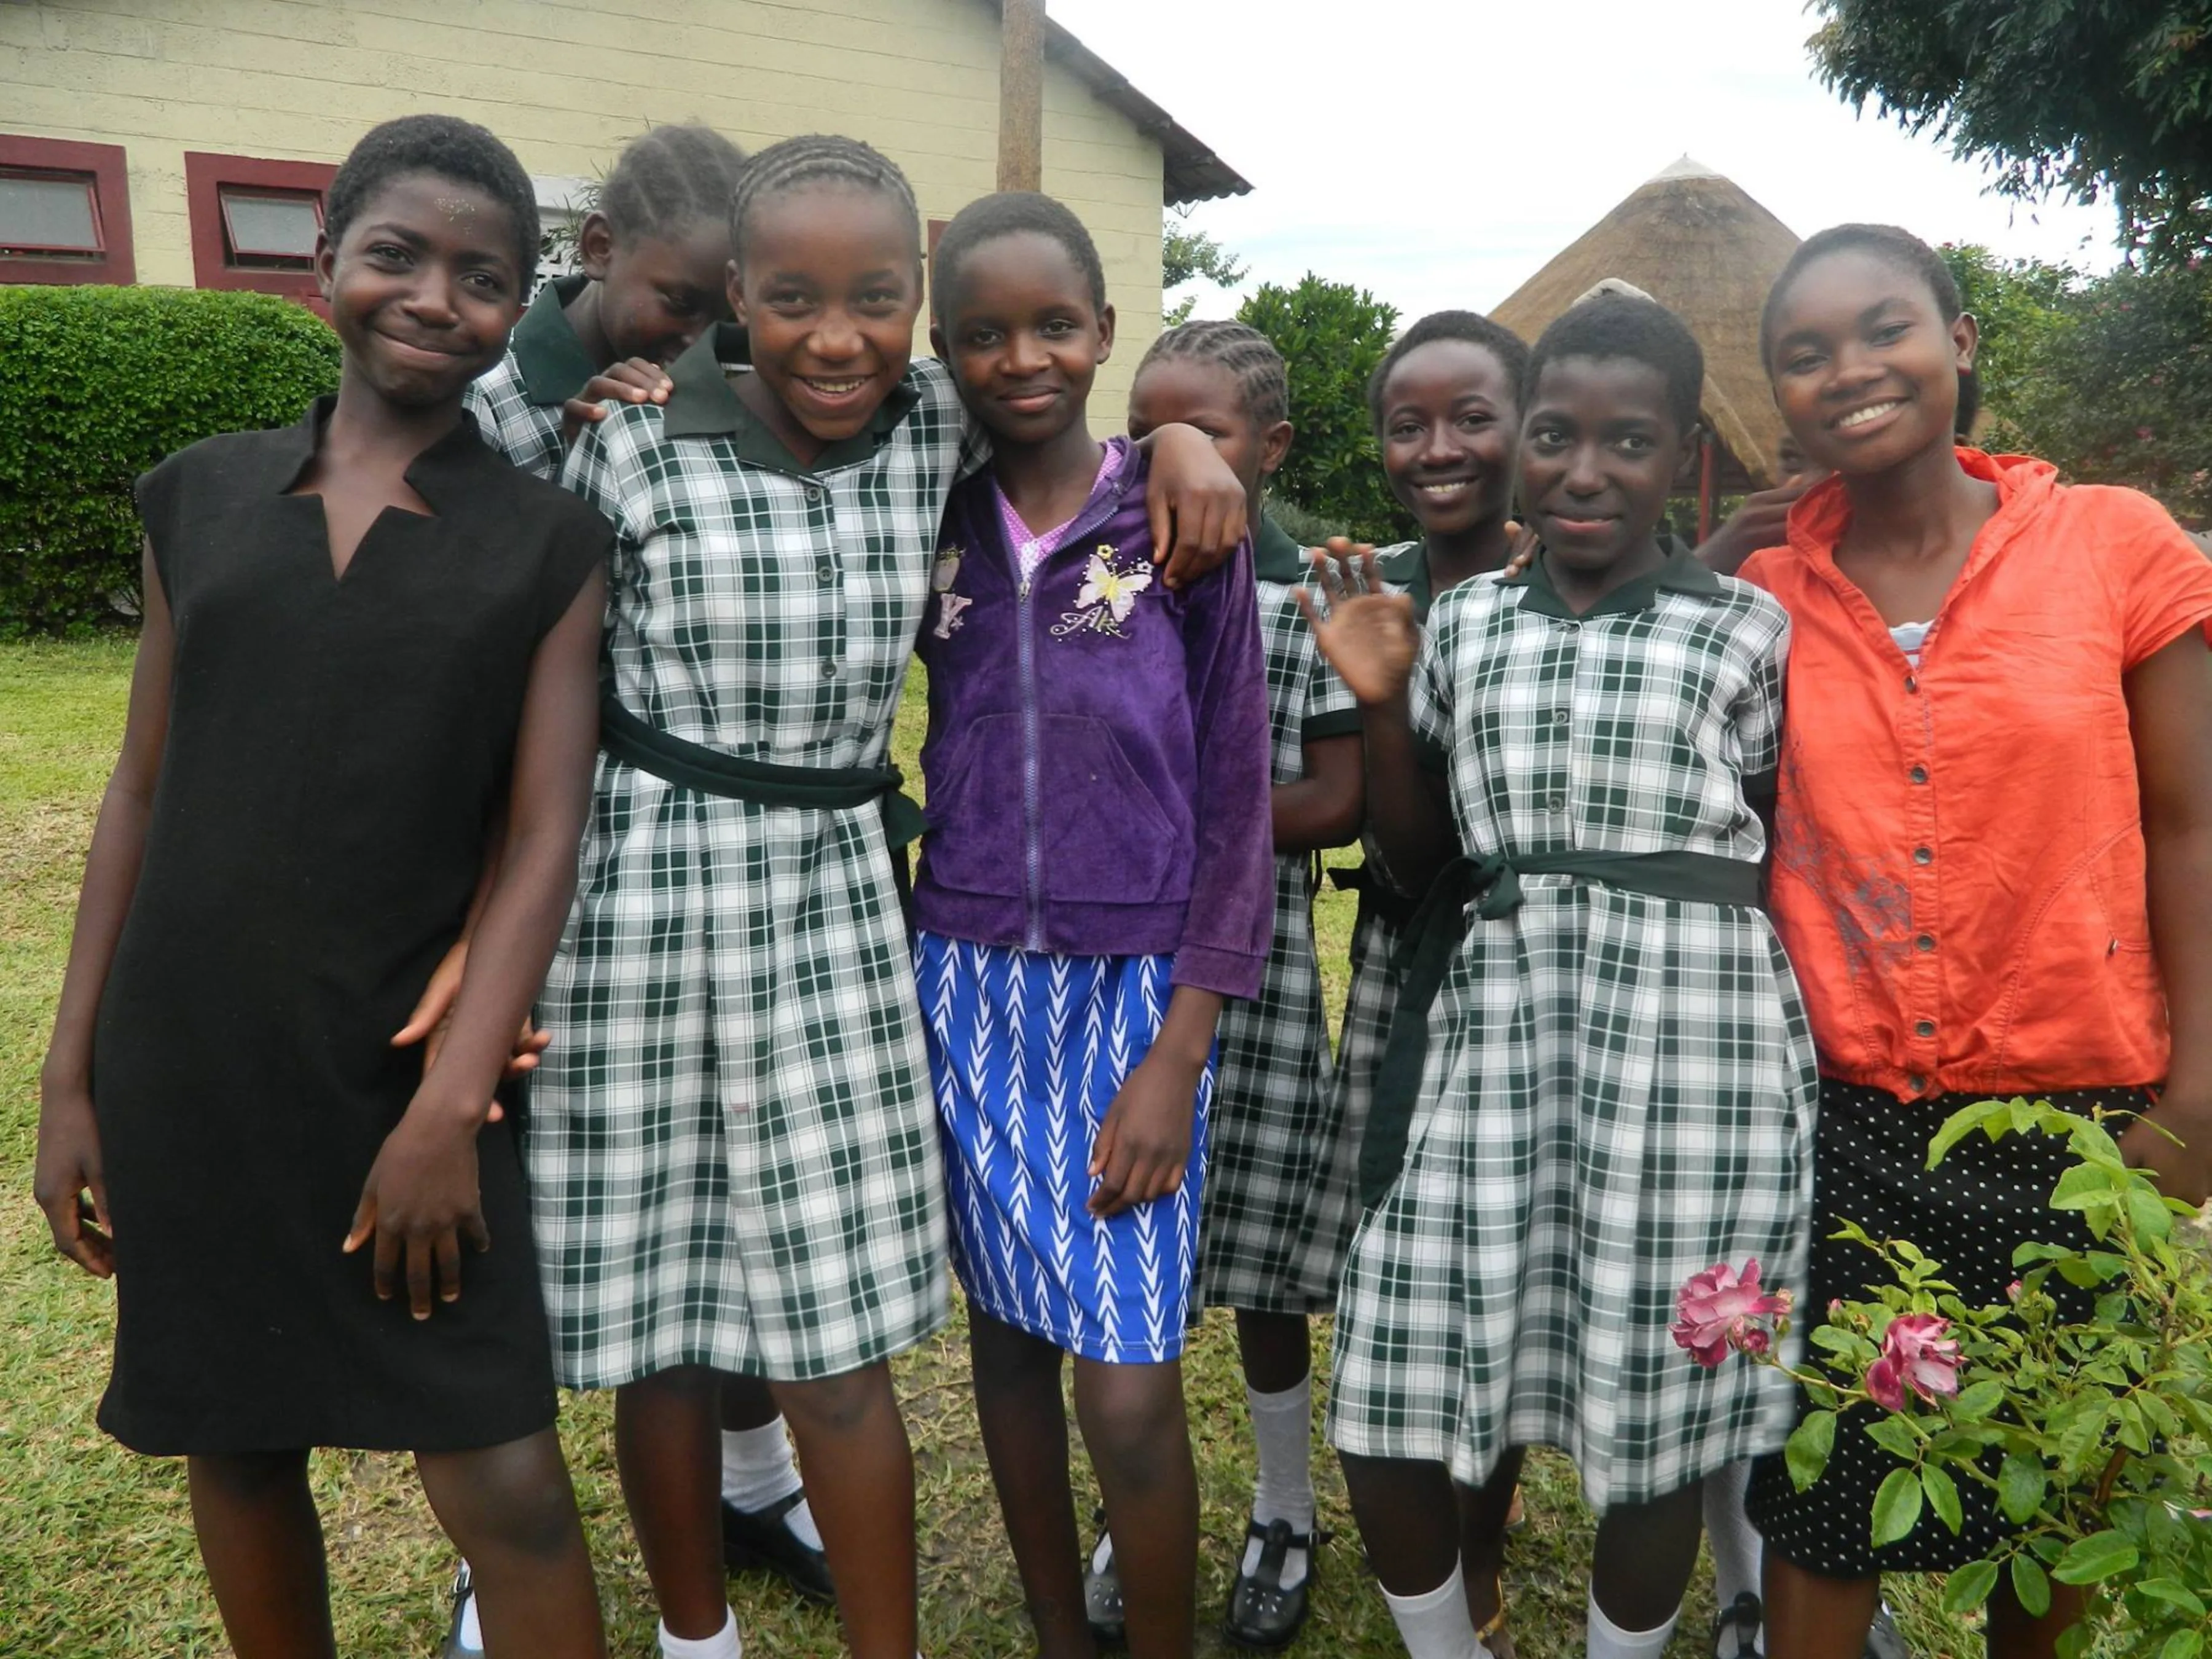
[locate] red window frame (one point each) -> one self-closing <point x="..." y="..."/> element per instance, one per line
<point x="207" y="174"/>
<point x="105" y="168"/>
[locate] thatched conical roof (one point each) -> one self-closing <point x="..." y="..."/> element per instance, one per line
<point x="1708" y="252"/>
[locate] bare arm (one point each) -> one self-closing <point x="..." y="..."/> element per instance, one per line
<point x="69" y="1159"/>
<point x="1324" y="808"/>
<point x="421" y="1195"/>
<point x="2170" y="710"/>
<point x="1195" y="503"/>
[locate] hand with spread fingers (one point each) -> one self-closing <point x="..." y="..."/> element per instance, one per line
<point x="1368" y="635"/>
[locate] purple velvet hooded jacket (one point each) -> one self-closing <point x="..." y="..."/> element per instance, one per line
<point x="1097" y="756"/>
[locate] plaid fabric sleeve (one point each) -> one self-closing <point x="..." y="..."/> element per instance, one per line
<point x="1429" y="696"/>
<point x="1758" y="711"/>
<point x="1331" y="710"/>
<point x="604" y="469"/>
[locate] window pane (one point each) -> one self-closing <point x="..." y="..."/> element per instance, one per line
<point x="272" y="226"/>
<point x="47" y="215"/>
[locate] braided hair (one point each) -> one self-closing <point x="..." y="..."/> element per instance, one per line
<point x="449" y="147"/>
<point x="1471" y="326"/>
<point x="816" y="159"/>
<point x="1248" y="355"/>
<point x="669" y="178"/>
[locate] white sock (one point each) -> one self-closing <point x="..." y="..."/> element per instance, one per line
<point x="470" y="1638"/>
<point x="1282" y="1429"/>
<point x="722" y="1644"/>
<point x="1608" y="1640"/>
<point x="757" y="1470"/>
<point x="1438" y="1625"/>
<point x="1730" y="1536"/>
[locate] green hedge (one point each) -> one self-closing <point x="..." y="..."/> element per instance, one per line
<point x="97" y="385"/>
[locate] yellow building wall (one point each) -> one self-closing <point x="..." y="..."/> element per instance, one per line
<point x="565" y="85"/>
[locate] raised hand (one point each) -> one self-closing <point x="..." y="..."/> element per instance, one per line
<point x="1369" y="636"/>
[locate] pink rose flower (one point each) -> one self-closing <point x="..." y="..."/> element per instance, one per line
<point x="1915" y="1355"/>
<point x="1718" y="1310"/>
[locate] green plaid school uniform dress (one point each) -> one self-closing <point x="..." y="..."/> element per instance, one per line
<point x="733" y="1147"/>
<point x="1620" y="1088"/>
<point x="517" y="403"/>
<point x="1369" y="1004"/>
<point x="1274" y="1129"/>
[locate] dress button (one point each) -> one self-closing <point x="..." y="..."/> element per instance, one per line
<point x="830" y="670"/>
<point x="1924" y="1028"/>
<point x="1572" y="627"/>
<point x="1916" y="1083"/>
<point x="1925" y="942"/>
<point x="1559" y="717"/>
<point x="826" y="574"/>
<point x="1919" y="775"/>
<point x="1913" y="682"/>
<point x="1558" y="803"/>
<point x="814" y="493"/>
<point x="1923" y="855"/>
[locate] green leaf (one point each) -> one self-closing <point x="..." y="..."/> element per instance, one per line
<point x="1968" y="1587"/>
<point x="2083" y="1185"/>
<point x="1894" y="1435"/>
<point x="2090" y="1141"/>
<point x="1896" y="1507"/>
<point x="1960" y="1124"/>
<point x="2020" y="1487"/>
<point x="2146" y="1212"/>
<point x="1943" y="1497"/>
<point x="1806" y="1453"/>
<point x="2098" y="1557"/>
<point x="2175" y="1593"/>
<point x="2183" y="1645"/>
<point x="2029" y="1586"/>
<point x="1977" y="1401"/>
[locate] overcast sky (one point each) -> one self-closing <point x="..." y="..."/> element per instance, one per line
<point x="1438" y="152"/>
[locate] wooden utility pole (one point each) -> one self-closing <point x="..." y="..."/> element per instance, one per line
<point x="1021" y="95"/>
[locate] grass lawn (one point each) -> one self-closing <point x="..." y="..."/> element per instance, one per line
<point x="96" y="1553"/>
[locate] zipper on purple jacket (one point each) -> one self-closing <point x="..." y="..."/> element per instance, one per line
<point x="1032" y="790"/>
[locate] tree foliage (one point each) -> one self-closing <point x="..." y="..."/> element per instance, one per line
<point x="1332" y="336"/>
<point x="2100" y="98"/>
<point x="1186" y="256"/>
<point x="2110" y="378"/>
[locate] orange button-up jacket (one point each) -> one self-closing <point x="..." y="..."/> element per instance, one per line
<point x="1958" y="870"/>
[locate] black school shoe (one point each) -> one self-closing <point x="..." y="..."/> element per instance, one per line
<point x="1261" y="1612"/>
<point x="465" y="1590"/>
<point x="761" y="1540"/>
<point x="1102" y="1593"/>
<point x="1735" y="1628"/>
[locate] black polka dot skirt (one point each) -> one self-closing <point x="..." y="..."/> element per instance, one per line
<point x="1970" y="1213"/>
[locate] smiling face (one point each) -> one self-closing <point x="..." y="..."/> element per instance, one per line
<point x="1448" y="412"/>
<point x="1023" y="335"/>
<point x="1208" y="396"/>
<point x="828" y="291"/>
<point x="1599" y="451"/>
<point x="657" y="292"/>
<point x="1865" y="368"/>
<point x="422" y="287"/>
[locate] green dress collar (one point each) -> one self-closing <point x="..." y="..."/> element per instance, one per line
<point x="1406" y="568"/>
<point x="1681" y="573"/>
<point x="704" y="405"/>
<point x="1275" y="557"/>
<point x="551" y="360"/>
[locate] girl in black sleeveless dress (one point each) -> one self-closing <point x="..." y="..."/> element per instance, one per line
<point x="369" y="642"/>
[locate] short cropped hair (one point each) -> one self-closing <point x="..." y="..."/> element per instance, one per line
<point x="1617" y="326"/>
<point x="1012" y="213"/>
<point x="450" y="149"/>
<point x="1472" y="326"/>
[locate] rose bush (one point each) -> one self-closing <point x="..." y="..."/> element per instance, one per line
<point x="2089" y="1419"/>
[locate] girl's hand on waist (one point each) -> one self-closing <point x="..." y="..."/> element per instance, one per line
<point x="1369" y="635"/>
<point x="420" y="1200"/>
<point x="1195" y="503"/>
<point x="2183" y="1170"/>
<point x="68" y="1181"/>
<point x="434" y="1016"/>
<point x="1145" y="1142"/>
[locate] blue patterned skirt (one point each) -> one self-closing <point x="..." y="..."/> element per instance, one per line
<point x="1026" y="1053"/>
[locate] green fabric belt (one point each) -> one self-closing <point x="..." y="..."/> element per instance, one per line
<point x="1434" y="934"/>
<point x="694" y="766"/>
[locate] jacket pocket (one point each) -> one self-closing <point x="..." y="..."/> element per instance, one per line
<point x="1108" y="838"/>
<point x="975" y="811"/>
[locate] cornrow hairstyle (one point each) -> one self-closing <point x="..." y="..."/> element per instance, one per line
<point x="669" y="178"/>
<point x="1616" y="327"/>
<point x="448" y="147"/>
<point x="1900" y="249"/>
<point x="1472" y="326"/>
<point x="816" y="159"/>
<point x="1263" y="379"/>
<point x="1012" y="213"/>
